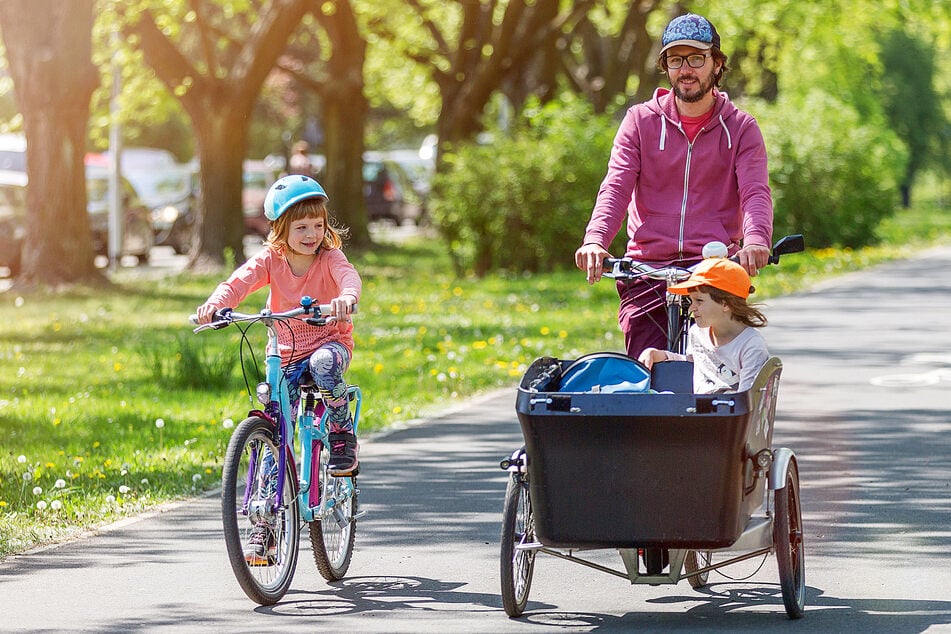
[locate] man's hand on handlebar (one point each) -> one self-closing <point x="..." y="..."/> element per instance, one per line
<point x="753" y="257"/>
<point x="590" y="259"/>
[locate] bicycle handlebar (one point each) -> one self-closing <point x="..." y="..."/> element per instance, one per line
<point x="226" y="316"/>
<point x="628" y="269"/>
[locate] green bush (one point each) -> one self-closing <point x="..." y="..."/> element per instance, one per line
<point x="521" y="204"/>
<point x="834" y="177"/>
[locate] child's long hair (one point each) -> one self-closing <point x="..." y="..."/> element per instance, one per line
<point x="307" y="208"/>
<point x="744" y="313"/>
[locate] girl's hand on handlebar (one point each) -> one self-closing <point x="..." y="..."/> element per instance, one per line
<point x="753" y="257"/>
<point x="206" y="313"/>
<point x="342" y="307"/>
<point x="590" y="259"/>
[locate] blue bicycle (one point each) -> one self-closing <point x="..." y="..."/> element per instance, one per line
<point x="268" y="492"/>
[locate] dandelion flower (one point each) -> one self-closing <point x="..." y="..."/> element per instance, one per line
<point x="37" y="490"/>
<point x="144" y="482"/>
<point x="124" y="489"/>
<point x="160" y="422"/>
<point x="60" y="484"/>
<point x="196" y="478"/>
<point x="21" y="459"/>
<point x="227" y="423"/>
<point x="110" y="499"/>
<point x="41" y="505"/>
<point x="27" y="476"/>
<point x="56" y="505"/>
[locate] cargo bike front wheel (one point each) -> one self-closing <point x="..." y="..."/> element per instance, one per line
<point x="518" y="528"/>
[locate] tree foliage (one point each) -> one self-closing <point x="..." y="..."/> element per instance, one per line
<point x="520" y="204"/>
<point x="214" y="57"/>
<point x="834" y="177"/>
<point x="911" y="103"/>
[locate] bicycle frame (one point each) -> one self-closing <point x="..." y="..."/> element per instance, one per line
<point x="278" y="410"/>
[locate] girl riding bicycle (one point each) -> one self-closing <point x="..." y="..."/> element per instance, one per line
<point x="301" y="257"/>
<point x="726" y="351"/>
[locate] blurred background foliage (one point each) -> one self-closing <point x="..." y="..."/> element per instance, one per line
<point x="852" y="97"/>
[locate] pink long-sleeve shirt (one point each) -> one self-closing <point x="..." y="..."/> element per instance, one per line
<point x="330" y="275"/>
<point x="676" y="195"/>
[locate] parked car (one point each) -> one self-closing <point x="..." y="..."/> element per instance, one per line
<point x="138" y="233"/>
<point x="138" y="237"/>
<point x="258" y="177"/>
<point x="12" y="213"/>
<point x="389" y="190"/>
<point x="166" y="187"/>
<point x="12" y="152"/>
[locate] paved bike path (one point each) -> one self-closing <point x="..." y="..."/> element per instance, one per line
<point x="863" y="402"/>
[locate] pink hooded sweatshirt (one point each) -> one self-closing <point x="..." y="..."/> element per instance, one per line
<point x="678" y="196"/>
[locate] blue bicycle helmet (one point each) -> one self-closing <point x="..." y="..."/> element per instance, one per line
<point x="289" y="190"/>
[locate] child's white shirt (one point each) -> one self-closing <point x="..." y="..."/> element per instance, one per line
<point x="731" y="367"/>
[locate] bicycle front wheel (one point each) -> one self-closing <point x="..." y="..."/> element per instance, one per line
<point x="261" y="532"/>
<point x="333" y="532"/>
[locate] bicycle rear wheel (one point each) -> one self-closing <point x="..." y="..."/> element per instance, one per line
<point x="333" y="532"/>
<point x="518" y="527"/>
<point x="249" y="501"/>
<point x="694" y="561"/>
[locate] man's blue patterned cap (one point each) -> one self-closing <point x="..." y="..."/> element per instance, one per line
<point x="690" y="30"/>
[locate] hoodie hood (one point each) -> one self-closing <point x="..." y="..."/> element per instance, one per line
<point x="664" y="105"/>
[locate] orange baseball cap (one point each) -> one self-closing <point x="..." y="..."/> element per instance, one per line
<point x="721" y="273"/>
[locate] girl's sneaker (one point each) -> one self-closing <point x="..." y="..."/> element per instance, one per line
<point x="261" y="549"/>
<point x="343" y="454"/>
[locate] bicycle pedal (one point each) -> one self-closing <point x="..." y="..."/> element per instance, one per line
<point x="260" y="562"/>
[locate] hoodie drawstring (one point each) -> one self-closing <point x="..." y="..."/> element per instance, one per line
<point x="729" y="139"/>
<point x="663" y="133"/>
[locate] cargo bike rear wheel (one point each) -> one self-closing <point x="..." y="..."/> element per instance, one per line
<point x="788" y="542"/>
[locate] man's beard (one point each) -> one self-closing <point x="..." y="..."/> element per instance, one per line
<point x="697" y="94"/>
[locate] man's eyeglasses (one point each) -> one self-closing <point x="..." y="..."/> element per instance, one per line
<point x="693" y="61"/>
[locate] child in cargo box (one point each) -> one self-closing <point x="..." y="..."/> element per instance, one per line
<point x="726" y="350"/>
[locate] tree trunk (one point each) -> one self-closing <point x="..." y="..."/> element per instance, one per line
<point x="345" y="110"/>
<point x="49" y="51"/>
<point x="222" y="144"/>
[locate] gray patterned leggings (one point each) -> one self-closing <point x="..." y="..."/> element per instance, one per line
<point x="326" y="365"/>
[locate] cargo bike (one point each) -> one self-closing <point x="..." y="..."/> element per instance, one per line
<point x="680" y="484"/>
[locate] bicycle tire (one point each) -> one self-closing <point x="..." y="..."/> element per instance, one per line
<point x="517" y="566"/>
<point x="265" y="582"/>
<point x="332" y="536"/>
<point x="788" y="542"/>
<point x="694" y="561"/>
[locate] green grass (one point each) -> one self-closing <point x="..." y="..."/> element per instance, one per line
<point x="110" y="405"/>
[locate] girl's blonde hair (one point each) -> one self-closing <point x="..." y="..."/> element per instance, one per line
<point x="307" y="208"/>
<point x="744" y="313"/>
